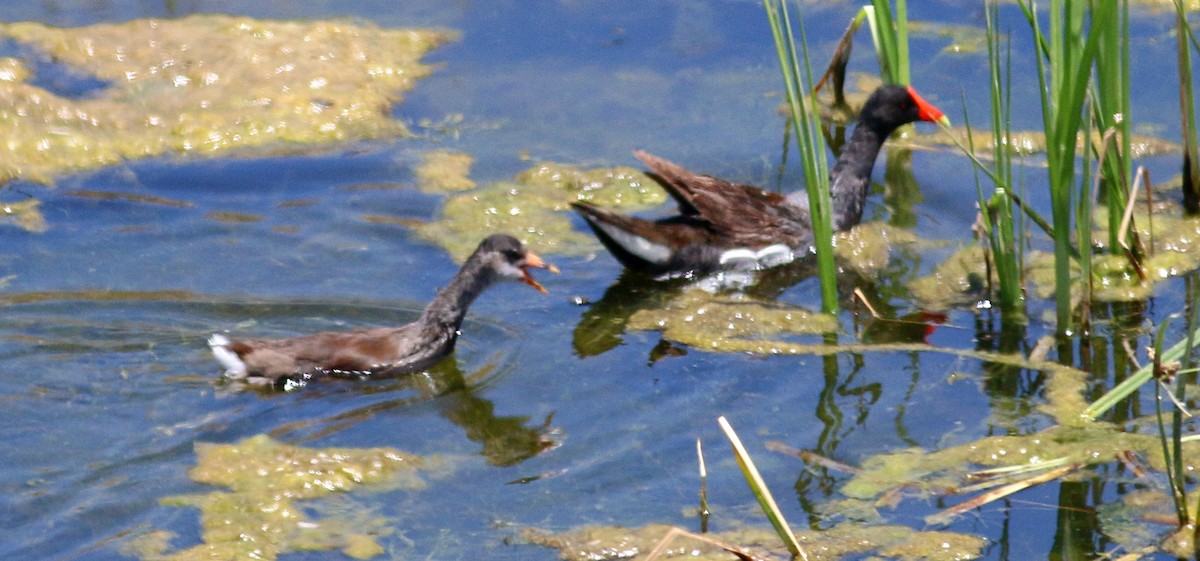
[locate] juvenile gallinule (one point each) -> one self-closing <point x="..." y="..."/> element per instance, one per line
<point x="384" y="350"/>
<point x="724" y="225"/>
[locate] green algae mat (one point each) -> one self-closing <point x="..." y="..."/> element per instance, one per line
<point x="202" y="85"/>
<point x="263" y="515"/>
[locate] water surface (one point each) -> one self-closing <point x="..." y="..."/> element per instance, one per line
<point x="107" y="383"/>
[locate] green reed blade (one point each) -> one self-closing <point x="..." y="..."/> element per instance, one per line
<point x="1002" y="236"/>
<point x="1063" y="70"/>
<point x="1143" y="375"/>
<point x="1187" y="114"/>
<point x="760" y="490"/>
<point x="809" y="141"/>
<point x="889" y="29"/>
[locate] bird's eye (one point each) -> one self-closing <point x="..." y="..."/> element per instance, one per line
<point x="512" y="255"/>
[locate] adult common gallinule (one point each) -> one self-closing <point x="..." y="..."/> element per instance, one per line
<point x="724" y="225"/>
<point x="383" y="350"/>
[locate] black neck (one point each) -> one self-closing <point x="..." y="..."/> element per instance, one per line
<point x="851" y="174"/>
<point x="450" y="305"/>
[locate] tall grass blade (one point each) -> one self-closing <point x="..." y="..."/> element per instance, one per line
<point x="1187" y="113"/>
<point x="903" y="74"/>
<point x="1171" y="453"/>
<point x="882" y="49"/>
<point x="1189" y="362"/>
<point x="1002" y="232"/>
<point x="760" y="490"/>
<point x="704" y="512"/>
<point x="1180" y="476"/>
<point x="1139" y="378"/>
<point x="890" y="31"/>
<point x="810" y="141"/>
<point x="1063" y="72"/>
<point x="1083" y="228"/>
<point x="1110" y="22"/>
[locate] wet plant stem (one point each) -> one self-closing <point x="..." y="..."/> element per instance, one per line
<point x="1187" y="114"/>
<point x="1029" y="212"/>
<point x="1139" y="378"/>
<point x="1189" y="364"/>
<point x="1181" y="378"/>
<point x="759" y="487"/>
<point x="1064" y="66"/>
<point x="889" y="28"/>
<point x="1171" y="445"/>
<point x="1110" y="21"/>
<point x="1083" y="228"/>
<point x="704" y="512"/>
<point x="1001" y="230"/>
<point x="811" y="143"/>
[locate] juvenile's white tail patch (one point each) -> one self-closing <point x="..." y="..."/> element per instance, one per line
<point x="765" y="258"/>
<point x="234" y="367"/>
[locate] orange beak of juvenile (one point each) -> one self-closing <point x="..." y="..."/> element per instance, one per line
<point x="532" y="260"/>
<point x="926" y="111"/>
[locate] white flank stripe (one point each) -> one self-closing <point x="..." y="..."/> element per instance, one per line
<point x="234" y="367"/>
<point x="637" y="245"/>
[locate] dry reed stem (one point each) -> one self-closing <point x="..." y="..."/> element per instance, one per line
<point x="946" y="515"/>
<point x="676" y="532"/>
<point x="810" y="457"/>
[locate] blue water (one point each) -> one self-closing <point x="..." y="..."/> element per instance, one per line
<point x="106" y="384"/>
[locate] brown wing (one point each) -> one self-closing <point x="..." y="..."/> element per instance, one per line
<point x="736" y="214"/>
<point x="359" y="351"/>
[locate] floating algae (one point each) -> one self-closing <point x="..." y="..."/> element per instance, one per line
<point x="866" y="248"/>
<point x="936" y="546"/>
<point x="595" y="543"/>
<point x="964" y="39"/>
<point x="621" y="187"/>
<point x="1172" y="249"/>
<point x="531" y="207"/>
<point x="25" y="215"/>
<point x="1173" y="243"/>
<point x="1125" y="524"/>
<point x="1025" y="143"/>
<point x="958" y="280"/>
<point x="729" y="322"/>
<point x="203" y="84"/>
<point x="441" y="171"/>
<point x="942" y="470"/>
<point x="1189" y="6"/>
<point x="735" y="322"/>
<point x="261" y="518"/>
<point x="1019" y="142"/>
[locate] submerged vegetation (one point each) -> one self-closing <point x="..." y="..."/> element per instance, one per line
<point x="1173" y="250"/>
